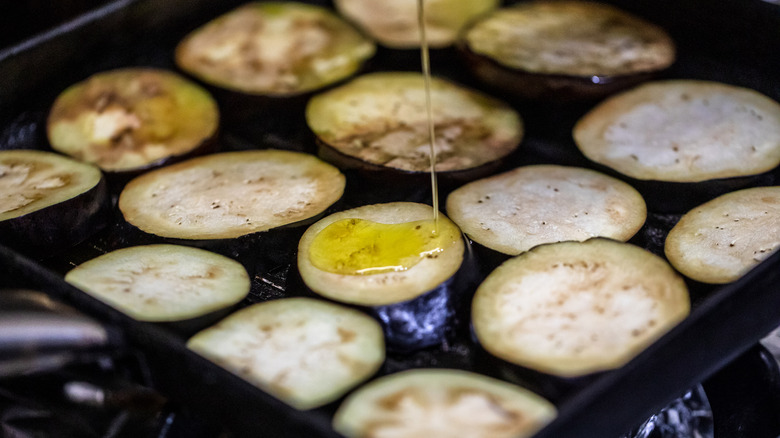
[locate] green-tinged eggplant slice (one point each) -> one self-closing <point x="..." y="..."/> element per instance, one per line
<point x="529" y="206"/>
<point x="274" y="48"/>
<point x="721" y="240"/>
<point x="304" y="351"/>
<point x="574" y="308"/>
<point x="163" y="283"/>
<point x="380" y="119"/>
<point x="391" y="259"/>
<point x="564" y="49"/>
<point x="48" y="201"/>
<point x="131" y="119"/>
<point x="395" y="23"/>
<point x="231" y="194"/>
<point x="427" y="403"/>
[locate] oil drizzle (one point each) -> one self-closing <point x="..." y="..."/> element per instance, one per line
<point x="426" y="70"/>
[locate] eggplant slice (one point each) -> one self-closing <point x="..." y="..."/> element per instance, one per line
<point x="304" y="351"/>
<point x="427" y="403"/>
<point x="231" y="194"/>
<point x="564" y="49"/>
<point x="274" y="48"/>
<point x="721" y="240"/>
<point x="131" y="119"/>
<point x="395" y="24"/>
<point x="386" y="257"/>
<point x="529" y="206"/>
<point x="48" y="201"/>
<point x="380" y="120"/>
<point x="163" y="283"/>
<point x="575" y="308"/>
<point x="683" y="131"/>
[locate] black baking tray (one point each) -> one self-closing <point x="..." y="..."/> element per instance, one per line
<point x="732" y="41"/>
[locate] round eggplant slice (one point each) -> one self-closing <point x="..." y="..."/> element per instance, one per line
<point x="131" y="119"/>
<point x="529" y="206"/>
<point x="48" y="201"/>
<point x="426" y="403"/>
<point x="664" y="136"/>
<point x="564" y="50"/>
<point x="163" y="283"/>
<point x="274" y="48"/>
<point x="304" y="351"/>
<point x="380" y="121"/>
<point x="395" y="24"/>
<point x="721" y="240"/>
<point x="231" y="194"/>
<point x="391" y="259"/>
<point x="575" y="308"/>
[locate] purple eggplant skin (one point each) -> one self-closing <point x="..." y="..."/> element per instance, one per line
<point x="547" y="87"/>
<point x="44" y="233"/>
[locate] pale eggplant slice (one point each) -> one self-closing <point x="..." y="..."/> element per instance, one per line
<point x="574" y="308"/>
<point x="380" y="121"/>
<point x="395" y="24"/>
<point x="163" y="283"/>
<point x="49" y="202"/>
<point x="564" y="50"/>
<point x="274" y="48"/>
<point x="304" y="351"/>
<point x="684" y="140"/>
<point x="532" y="205"/>
<point x="416" y="297"/>
<point x="719" y="241"/>
<point x="231" y="194"/>
<point x="132" y="119"/>
<point x="428" y="403"/>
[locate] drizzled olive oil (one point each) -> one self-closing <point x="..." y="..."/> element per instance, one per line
<point x="426" y="70"/>
<point x="363" y="247"/>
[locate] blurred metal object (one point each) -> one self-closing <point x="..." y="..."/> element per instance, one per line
<point x="689" y="416"/>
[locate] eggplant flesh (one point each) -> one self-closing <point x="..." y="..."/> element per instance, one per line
<point x="274" y="49"/>
<point x="49" y="202"/>
<point x="442" y="403"/>
<point x="574" y="308"/>
<point x="396" y="24"/>
<point x="564" y="50"/>
<point x="133" y="119"/>
<point x="719" y="241"/>
<point x="419" y="306"/>
<point x="163" y="283"/>
<point x="380" y="119"/>
<point x="233" y="194"/>
<point x="304" y="351"/>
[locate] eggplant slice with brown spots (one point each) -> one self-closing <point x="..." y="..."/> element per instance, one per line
<point x="164" y="283"/>
<point x="132" y="119"/>
<point x="49" y="202"/>
<point x="684" y="142"/>
<point x="512" y="212"/>
<point x="231" y="194"/>
<point x="427" y="403"/>
<point x="274" y="49"/>
<point x="395" y="24"/>
<point x="378" y="123"/>
<point x="575" y="308"/>
<point x="719" y="241"/>
<point x="564" y="50"/>
<point x="304" y="351"/>
<point x="391" y="260"/>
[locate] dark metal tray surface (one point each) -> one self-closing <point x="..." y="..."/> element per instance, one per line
<point x="729" y="41"/>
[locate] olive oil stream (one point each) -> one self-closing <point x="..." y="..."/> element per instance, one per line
<point x="363" y="247"/>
